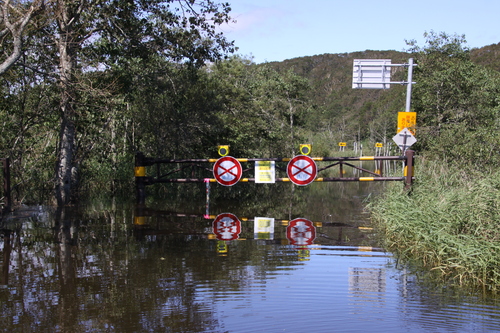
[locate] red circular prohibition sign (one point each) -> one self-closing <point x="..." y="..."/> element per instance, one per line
<point x="227" y="171"/>
<point x="302" y="170"/>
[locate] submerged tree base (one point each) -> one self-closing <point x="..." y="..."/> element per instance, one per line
<point x="449" y="224"/>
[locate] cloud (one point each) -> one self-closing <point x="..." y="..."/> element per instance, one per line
<point x="255" y="21"/>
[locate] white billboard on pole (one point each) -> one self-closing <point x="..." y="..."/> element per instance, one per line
<point x="371" y="74"/>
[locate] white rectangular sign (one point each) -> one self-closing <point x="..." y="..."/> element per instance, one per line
<point x="371" y="74"/>
<point x="265" y="172"/>
<point x="263" y="227"/>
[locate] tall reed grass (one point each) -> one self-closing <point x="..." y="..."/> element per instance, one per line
<point x="449" y="223"/>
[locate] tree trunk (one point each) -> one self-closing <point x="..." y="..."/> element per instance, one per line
<point x="65" y="157"/>
<point x="65" y="171"/>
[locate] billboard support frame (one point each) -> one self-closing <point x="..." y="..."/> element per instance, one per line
<point x="358" y="82"/>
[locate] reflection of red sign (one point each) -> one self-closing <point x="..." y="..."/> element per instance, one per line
<point x="301" y="170"/>
<point x="226" y="227"/>
<point x="300" y="232"/>
<point x="227" y="170"/>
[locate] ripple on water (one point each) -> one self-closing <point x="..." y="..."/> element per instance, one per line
<point x="345" y="289"/>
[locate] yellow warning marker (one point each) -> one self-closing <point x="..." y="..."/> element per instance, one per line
<point x="140" y="171"/>
<point x="139" y="220"/>
<point x="223" y="150"/>
<point x="405" y="172"/>
<point x="366" y="179"/>
<point x="305" y="149"/>
<point x="365" y="228"/>
<point x="221" y="247"/>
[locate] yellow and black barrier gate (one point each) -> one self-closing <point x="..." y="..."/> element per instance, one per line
<point x="301" y="170"/>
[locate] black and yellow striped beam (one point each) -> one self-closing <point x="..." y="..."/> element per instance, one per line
<point x="287" y="159"/>
<point x="151" y="180"/>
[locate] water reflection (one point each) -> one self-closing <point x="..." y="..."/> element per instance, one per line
<point x="301" y="232"/>
<point x="120" y="268"/>
<point x="226" y="227"/>
<point x="263" y="228"/>
<point x="6" y="257"/>
<point x="367" y="285"/>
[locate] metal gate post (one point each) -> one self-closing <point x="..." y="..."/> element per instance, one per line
<point x="409" y="156"/>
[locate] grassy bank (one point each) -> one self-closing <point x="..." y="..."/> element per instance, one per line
<point x="449" y="224"/>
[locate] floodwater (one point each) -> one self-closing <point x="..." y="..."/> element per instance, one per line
<point x="251" y="259"/>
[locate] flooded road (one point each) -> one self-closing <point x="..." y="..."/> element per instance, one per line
<point x="277" y="259"/>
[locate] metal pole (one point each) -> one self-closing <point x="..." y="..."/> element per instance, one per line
<point x="408" y="87"/>
<point x="207" y="205"/>
<point x="409" y="154"/>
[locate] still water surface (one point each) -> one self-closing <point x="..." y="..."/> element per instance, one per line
<point x="301" y="260"/>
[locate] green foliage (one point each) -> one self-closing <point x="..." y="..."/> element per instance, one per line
<point x="28" y="127"/>
<point x="438" y="45"/>
<point x="340" y="113"/>
<point x="457" y="103"/>
<point x="449" y="223"/>
<point x="487" y="56"/>
<point x="77" y="48"/>
<point x="261" y="108"/>
<point x="178" y="111"/>
<point x="178" y="30"/>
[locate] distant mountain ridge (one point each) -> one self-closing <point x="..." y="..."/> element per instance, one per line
<point x="327" y="71"/>
<point x="488" y="56"/>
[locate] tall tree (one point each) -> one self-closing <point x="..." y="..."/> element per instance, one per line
<point x="263" y="108"/>
<point x="92" y="35"/>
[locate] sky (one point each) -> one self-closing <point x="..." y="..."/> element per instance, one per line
<point x="275" y="30"/>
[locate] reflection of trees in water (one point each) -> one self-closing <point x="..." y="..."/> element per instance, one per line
<point x="86" y="270"/>
<point x="334" y="203"/>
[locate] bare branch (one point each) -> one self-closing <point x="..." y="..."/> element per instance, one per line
<point x="15" y="28"/>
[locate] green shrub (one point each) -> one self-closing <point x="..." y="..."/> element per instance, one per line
<point x="449" y="223"/>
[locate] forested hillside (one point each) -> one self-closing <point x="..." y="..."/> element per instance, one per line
<point x="488" y="56"/>
<point x="340" y="112"/>
<point x="345" y="114"/>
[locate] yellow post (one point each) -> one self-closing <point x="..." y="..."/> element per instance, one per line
<point x="140" y="175"/>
